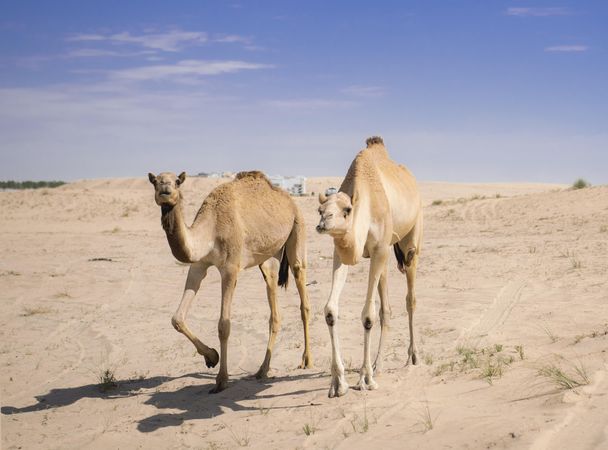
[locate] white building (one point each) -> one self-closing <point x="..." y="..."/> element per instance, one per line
<point x="293" y="185"/>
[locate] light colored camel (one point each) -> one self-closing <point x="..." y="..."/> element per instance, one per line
<point x="377" y="206"/>
<point x="244" y="223"/>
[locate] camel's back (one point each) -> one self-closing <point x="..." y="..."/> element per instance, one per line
<point x="251" y="206"/>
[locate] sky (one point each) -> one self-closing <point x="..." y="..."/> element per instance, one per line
<point x="466" y="91"/>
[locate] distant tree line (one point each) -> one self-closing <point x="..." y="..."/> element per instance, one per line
<point x="29" y="184"/>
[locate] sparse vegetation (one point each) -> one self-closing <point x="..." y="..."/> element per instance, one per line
<point x="30" y="184"/>
<point x="32" y="311"/>
<point x="575" y="263"/>
<point x="241" y="439"/>
<point x="427" y="421"/>
<point x="563" y="380"/>
<point x="603" y="228"/>
<point x="552" y="336"/>
<point x="11" y="273"/>
<point x="580" y="184"/>
<point x="310" y="428"/>
<point x="107" y="380"/>
<point x="63" y="294"/>
<point x="488" y="361"/>
<point x="263" y="411"/>
<point x="520" y="350"/>
<point x="361" y="424"/>
<point x="437" y="202"/>
<point x="594" y="334"/>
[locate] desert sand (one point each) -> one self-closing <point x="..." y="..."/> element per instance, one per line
<point x="512" y="284"/>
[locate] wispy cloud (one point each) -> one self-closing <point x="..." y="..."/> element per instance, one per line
<point x="232" y="38"/>
<point x="96" y="53"/>
<point x="567" y="48"/>
<point x="171" y="41"/>
<point x="185" y="70"/>
<point x="364" y="91"/>
<point x="309" y="104"/>
<point x="538" y="12"/>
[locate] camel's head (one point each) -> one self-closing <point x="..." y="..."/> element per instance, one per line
<point x="336" y="213"/>
<point x="166" y="187"/>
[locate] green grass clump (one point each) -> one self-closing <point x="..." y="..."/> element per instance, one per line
<point x="580" y="184"/>
<point x="30" y="184"/>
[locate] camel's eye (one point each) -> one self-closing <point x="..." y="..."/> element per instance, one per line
<point x="347" y="211"/>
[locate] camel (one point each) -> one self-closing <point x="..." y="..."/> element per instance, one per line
<point x="376" y="207"/>
<point x="243" y="223"/>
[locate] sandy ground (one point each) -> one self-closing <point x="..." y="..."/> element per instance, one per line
<point x="512" y="283"/>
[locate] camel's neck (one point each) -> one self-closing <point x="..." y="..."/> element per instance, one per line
<point x="350" y="245"/>
<point x="186" y="245"/>
<point x="346" y="246"/>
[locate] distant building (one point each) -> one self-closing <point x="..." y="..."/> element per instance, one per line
<point x="293" y="185"/>
<point x="215" y="174"/>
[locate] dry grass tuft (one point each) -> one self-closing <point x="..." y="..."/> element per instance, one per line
<point x="565" y="380"/>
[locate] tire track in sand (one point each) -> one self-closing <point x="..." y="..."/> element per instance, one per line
<point x="496" y="315"/>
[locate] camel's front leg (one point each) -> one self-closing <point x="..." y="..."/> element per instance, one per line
<point x="385" y="315"/>
<point x="196" y="274"/>
<point x="338" y="386"/>
<point x="229" y="275"/>
<point x="368" y="318"/>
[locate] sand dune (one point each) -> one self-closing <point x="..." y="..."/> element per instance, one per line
<point x="512" y="283"/>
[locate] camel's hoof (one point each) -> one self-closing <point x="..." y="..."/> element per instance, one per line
<point x="306" y="363"/>
<point x="361" y="386"/>
<point x="212" y="362"/>
<point x="337" y="389"/>
<point x="413" y="358"/>
<point x="262" y="373"/>
<point x="219" y="387"/>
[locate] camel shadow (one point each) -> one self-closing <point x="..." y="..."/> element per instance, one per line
<point x="193" y="401"/>
<point x="57" y="398"/>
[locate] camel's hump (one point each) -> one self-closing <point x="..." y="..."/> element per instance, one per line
<point x="373" y="140"/>
<point x="251" y="174"/>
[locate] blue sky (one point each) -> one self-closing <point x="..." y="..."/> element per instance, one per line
<point x="460" y="90"/>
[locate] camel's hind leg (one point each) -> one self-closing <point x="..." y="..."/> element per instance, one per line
<point x="196" y="274"/>
<point x="270" y="269"/>
<point x="295" y="248"/>
<point x="385" y="315"/>
<point x="410" y="245"/>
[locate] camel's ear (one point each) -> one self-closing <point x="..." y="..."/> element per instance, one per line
<point x="181" y="178"/>
<point x="322" y="198"/>
<point x="152" y="178"/>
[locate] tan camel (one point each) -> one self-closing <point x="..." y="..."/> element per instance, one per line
<point x="377" y="206"/>
<point x="244" y="223"/>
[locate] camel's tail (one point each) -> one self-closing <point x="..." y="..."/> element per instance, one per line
<point x="401" y="263"/>
<point x="284" y="270"/>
